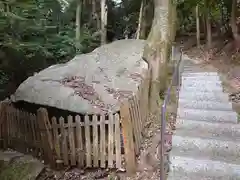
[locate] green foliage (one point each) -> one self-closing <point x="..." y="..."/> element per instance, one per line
<point x="37" y="33"/>
<point x="34" y="35"/>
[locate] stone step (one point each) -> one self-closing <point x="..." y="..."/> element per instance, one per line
<point x="212" y="89"/>
<point x="195" y="176"/>
<point x="210" y="105"/>
<point x="204" y="96"/>
<point x="201" y="82"/>
<point x="200" y="78"/>
<point x="192" y="74"/>
<point x="192" y="69"/>
<point x="211" y="149"/>
<point x="206" y="115"/>
<point x="223" y="131"/>
<point x="190" y="167"/>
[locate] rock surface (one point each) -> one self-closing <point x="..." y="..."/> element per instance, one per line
<point x="90" y="83"/>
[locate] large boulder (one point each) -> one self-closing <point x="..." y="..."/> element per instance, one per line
<point x="96" y="82"/>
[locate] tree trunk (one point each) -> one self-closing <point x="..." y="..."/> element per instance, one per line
<point x="95" y="14"/>
<point x="204" y="27"/>
<point x="104" y="11"/>
<point x="140" y="21"/>
<point x="78" y="23"/>
<point x="234" y="26"/>
<point x="156" y="51"/>
<point x="198" y="26"/>
<point x="174" y="20"/>
<point x="209" y="30"/>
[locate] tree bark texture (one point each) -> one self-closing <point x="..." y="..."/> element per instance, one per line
<point x="95" y="14"/>
<point x="140" y="21"/>
<point x="209" y="29"/>
<point x="78" y="23"/>
<point x="104" y="11"/>
<point x="157" y="49"/>
<point x="198" y="26"/>
<point x="234" y="25"/>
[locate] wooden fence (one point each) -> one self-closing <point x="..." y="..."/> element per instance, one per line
<point x="111" y="140"/>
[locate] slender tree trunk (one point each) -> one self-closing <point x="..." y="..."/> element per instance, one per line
<point x="197" y="26"/>
<point x="174" y="20"/>
<point x="95" y="14"/>
<point x="209" y="30"/>
<point x="78" y="23"/>
<point x="204" y="27"/>
<point x="234" y="26"/>
<point x="140" y="21"/>
<point x="156" y="51"/>
<point x="104" y="11"/>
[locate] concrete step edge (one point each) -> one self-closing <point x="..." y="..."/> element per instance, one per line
<point x="196" y="104"/>
<point x="207" y="115"/>
<point x="218" y="156"/>
<point x="201" y="89"/>
<point x="210" y="168"/>
<point x="207" y="96"/>
<point x="210" y="147"/>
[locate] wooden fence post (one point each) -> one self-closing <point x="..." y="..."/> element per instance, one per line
<point x="127" y="130"/>
<point x="3" y="124"/>
<point x="46" y="136"/>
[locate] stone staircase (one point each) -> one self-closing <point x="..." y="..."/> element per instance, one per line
<point x="206" y="143"/>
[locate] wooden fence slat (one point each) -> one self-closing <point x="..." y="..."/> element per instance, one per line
<point x="79" y="141"/>
<point x="36" y="127"/>
<point x="138" y="112"/>
<point x="46" y="136"/>
<point x="56" y="138"/>
<point x="88" y="142"/>
<point x="95" y="142"/>
<point x="141" y="103"/>
<point x="30" y="129"/>
<point x="28" y="139"/>
<point x="14" y="125"/>
<point x="34" y="131"/>
<point x="19" y="131"/>
<point x="23" y="127"/>
<point x="110" y="141"/>
<point x="64" y="142"/>
<point x="127" y="130"/>
<point x="33" y="127"/>
<point x="10" y="128"/>
<point x="134" y="119"/>
<point x="71" y="141"/>
<point x="138" y="118"/>
<point x="102" y="141"/>
<point x="10" y="125"/>
<point x="118" y="141"/>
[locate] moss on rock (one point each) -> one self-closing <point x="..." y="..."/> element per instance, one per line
<point x="15" y="171"/>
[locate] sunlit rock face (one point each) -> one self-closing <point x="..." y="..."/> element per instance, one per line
<point x="96" y="82"/>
